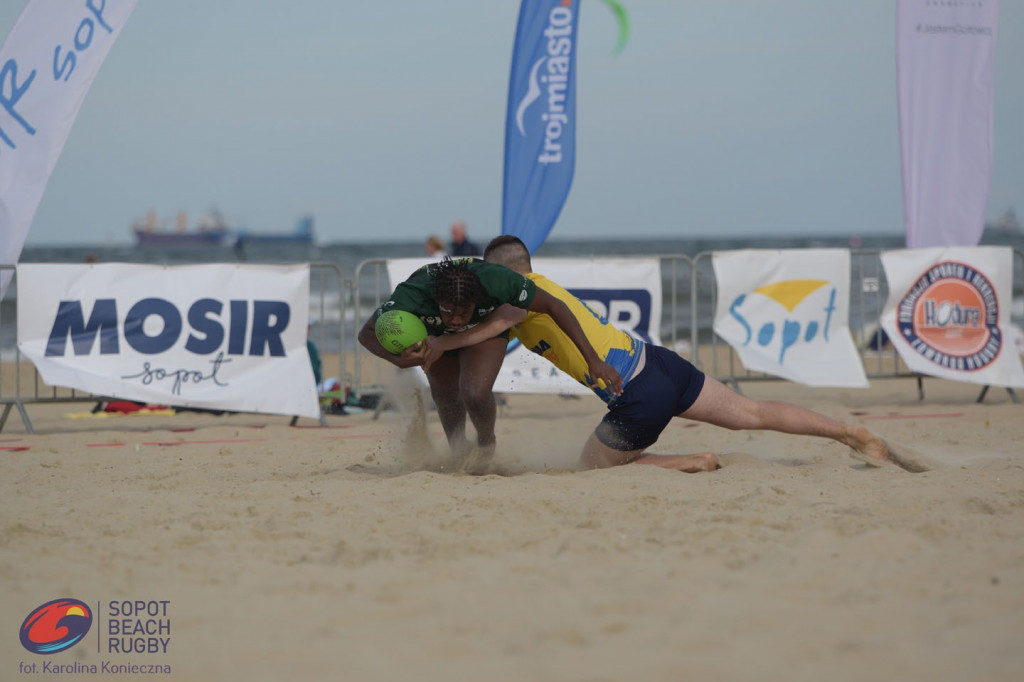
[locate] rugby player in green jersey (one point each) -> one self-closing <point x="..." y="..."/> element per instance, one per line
<point x="455" y="295"/>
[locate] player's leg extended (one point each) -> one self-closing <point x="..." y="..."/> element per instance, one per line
<point x="444" y="389"/>
<point x="719" y="405"/>
<point x="597" y="455"/>
<point x="479" y="368"/>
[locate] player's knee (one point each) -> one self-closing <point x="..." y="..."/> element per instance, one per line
<point x="751" y="415"/>
<point x="477" y="394"/>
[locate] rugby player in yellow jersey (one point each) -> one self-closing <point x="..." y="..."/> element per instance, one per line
<point x="658" y="384"/>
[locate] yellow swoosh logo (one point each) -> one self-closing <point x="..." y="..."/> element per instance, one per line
<point x="790" y="293"/>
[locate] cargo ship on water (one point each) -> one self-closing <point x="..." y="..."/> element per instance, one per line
<point x="211" y="230"/>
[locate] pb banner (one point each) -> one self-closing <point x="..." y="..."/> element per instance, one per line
<point x="625" y="291"/>
<point x="210" y="336"/>
<point x="540" y="124"/>
<point x="944" y="60"/>
<point x="948" y="313"/>
<point x="786" y="313"/>
<point x="47" y="64"/>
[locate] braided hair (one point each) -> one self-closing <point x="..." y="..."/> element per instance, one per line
<point x="453" y="282"/>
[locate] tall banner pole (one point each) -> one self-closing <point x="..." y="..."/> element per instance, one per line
<point x="540" y="123"/>
<point x="944" y="64"/>
<point x="47" y="64"/>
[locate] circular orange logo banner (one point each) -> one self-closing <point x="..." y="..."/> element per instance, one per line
<point x="950" y="316"/>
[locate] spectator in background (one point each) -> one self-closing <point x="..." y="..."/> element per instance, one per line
<point x="434" y="247"/>
<point x="461" y="245"/>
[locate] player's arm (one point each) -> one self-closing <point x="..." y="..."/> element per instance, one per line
<point x="501" y="318"/>
<point x="600" y="371"/>
<point x="410" y="357"/>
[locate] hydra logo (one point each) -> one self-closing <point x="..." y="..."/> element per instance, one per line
<point x="789" y="294"/>
<point x="56" y="626"/>
<point x="551" y="73"/>
<point x="950" y="316"/>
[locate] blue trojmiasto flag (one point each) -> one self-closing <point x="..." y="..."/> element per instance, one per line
<point x="540" y="125"/>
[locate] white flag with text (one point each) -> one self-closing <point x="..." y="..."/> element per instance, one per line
<point x="944" y="61"/>
<point x="47" y="64"/>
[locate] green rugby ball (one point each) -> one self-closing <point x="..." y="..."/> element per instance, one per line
<point x="397" y="330"/>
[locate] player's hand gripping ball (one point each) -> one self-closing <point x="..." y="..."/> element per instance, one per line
<point x="397" y="330"/>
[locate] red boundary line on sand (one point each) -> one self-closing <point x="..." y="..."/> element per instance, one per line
<point x="358" y="435"/>
<point x="937" y="415"/>
<point x="208" y="442"/>
<point x="16" y="448"/>
<point x="178" y="442"/>
<point x="204" y="442"/>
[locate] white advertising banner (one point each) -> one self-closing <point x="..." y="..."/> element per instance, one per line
<point x="948" y="313"/>
<point x="786" y="313"/>
<point x="227" y="337"/>
<point x="47" y="64"/>
<point x="944" y="61"/>
<point x="625" y="290"/>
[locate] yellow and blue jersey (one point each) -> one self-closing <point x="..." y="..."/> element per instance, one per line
<point x="540" y="334"/>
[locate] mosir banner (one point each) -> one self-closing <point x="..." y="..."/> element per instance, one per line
<point x="229" y="337"/>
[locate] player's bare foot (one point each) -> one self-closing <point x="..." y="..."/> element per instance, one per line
<point x="867" y="447"/>
<point x="478" y="462"/>
<point x="691" y="464"/>
<point x="873" y="451"/>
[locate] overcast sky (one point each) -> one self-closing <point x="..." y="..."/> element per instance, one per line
<point x="385" y="120"/>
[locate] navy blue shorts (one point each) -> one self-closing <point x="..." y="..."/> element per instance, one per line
<point x="667" y="386"/>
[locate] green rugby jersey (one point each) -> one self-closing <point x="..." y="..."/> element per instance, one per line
<point x="502" y="285"/>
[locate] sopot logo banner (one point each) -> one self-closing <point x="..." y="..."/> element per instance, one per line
<point x="230" y="337"/>
<point x="948" y="313"/>
<point x="786" y="313"/>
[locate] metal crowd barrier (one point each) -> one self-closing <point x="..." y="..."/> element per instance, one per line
<point x="370" y="288"/>
<point x="328" y="331"/>
<point x="689" y="299"/>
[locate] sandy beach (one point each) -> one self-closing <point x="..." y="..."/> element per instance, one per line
<point x="310" y="553"/>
